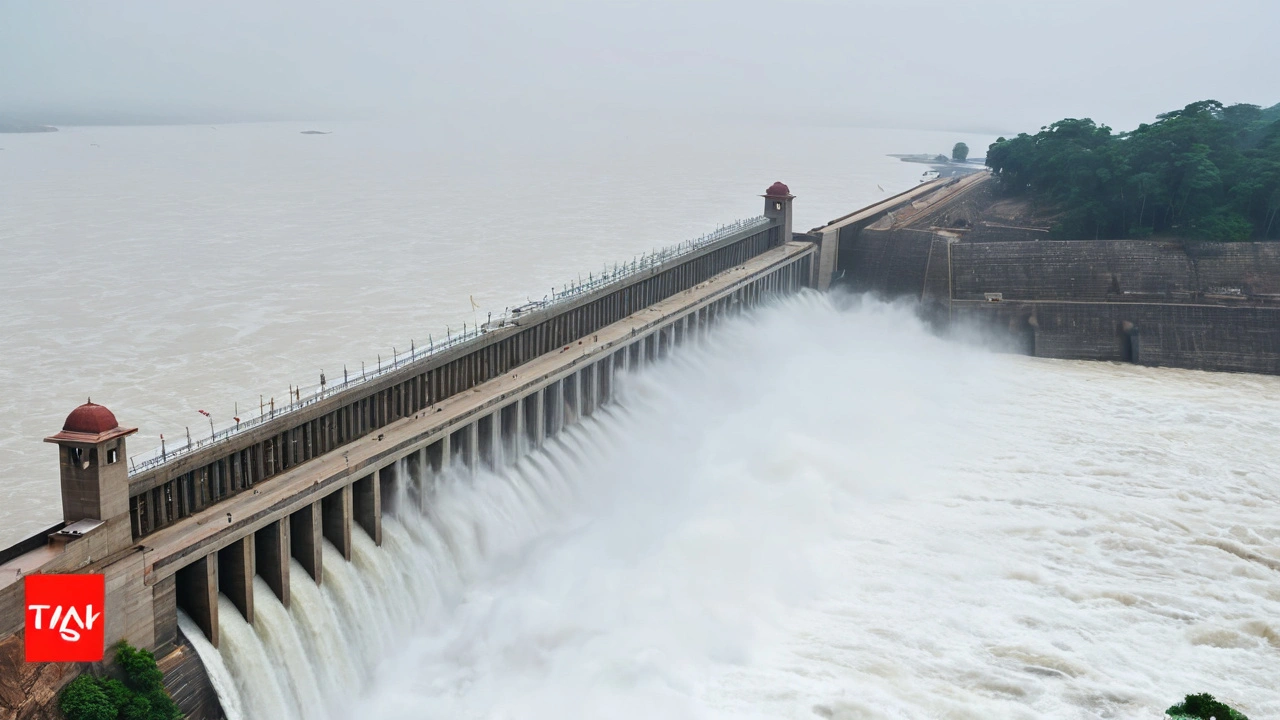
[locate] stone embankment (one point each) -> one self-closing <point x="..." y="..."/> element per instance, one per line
<point x="974" y="259"/>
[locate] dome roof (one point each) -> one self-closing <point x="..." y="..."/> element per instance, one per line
<point x="91" y="419"/>
<point x="90" y="423"/>
<point x="778" y="190"/>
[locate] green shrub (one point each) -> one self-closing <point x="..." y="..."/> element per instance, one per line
<point x="116" y="692"/>
<point x="83" y="699"/>
<point x="1203" y="707"/>
<point x="141" y="696"/>
<point x="139" y="668"/>
<point x="161" y="706"/>
<point x="136" y="709"/>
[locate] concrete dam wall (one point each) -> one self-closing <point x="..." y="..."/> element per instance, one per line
<point x="193" y="527"/>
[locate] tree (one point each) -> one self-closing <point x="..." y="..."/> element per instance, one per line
<point x="1207" y="171"/>
<point x="83" y="699"/>
<point x="139" y="667"/>
<point x="1203" y="707"/>
<point x="960" y="152"/>
<point x="141" y="695"/>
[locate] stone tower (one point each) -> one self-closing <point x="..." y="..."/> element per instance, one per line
<point x="777" y="204"/>
<point x="98" y="533"/>
<point x="95" y="475"/>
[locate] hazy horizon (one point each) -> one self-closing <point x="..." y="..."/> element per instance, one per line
<point x="986" y="66"/>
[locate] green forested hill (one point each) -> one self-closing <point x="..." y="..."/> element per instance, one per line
<point x="1206" y="171"/>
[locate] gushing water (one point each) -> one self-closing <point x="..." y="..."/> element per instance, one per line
<point x="313" y="660"/>
<point x="261" y="679"/>
<point x="215" y="668"/>
<point x="826" y="512"/>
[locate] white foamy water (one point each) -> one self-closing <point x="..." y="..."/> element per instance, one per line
<point x="165" y="270"/>
<point x="828" y="512"/>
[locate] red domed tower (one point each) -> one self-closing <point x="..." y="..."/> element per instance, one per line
<point x="91" y="454"/>
<point x="777" y="204"/>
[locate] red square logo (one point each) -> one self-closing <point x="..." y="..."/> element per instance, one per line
<point x="64" y="617"/>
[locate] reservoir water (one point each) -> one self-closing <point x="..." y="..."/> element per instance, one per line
<point x="826" y="512"/>
<point x="165" y="270"/>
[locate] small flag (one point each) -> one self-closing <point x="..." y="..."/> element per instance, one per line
<point x="474" y="306"/>
<point x="202" y="412"/>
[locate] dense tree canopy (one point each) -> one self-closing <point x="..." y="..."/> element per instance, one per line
<point x="1206" y="171"/>
<point x="960" y="152"/>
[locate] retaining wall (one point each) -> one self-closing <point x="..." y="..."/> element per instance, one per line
<point x="1191" y="305"/>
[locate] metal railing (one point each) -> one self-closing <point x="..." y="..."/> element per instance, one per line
<point x="300" y="397"/>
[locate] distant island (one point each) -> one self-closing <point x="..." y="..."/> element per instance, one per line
<point x="1206" y="172"/>
<point x="15" y="127"/>
<point x="957" y="165"/>
<point x="317" y="132"/>
<point x="928" y="159"/>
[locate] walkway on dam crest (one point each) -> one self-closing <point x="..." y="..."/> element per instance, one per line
<point x="167" y="550"/>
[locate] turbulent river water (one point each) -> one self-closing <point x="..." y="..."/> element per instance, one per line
<point x="825" y="512"/>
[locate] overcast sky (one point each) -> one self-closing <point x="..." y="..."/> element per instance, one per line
<point x="980" y="65"/>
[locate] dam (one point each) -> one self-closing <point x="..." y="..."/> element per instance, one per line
<point x="203" y="543"/>
<point x="175" y="530"/>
